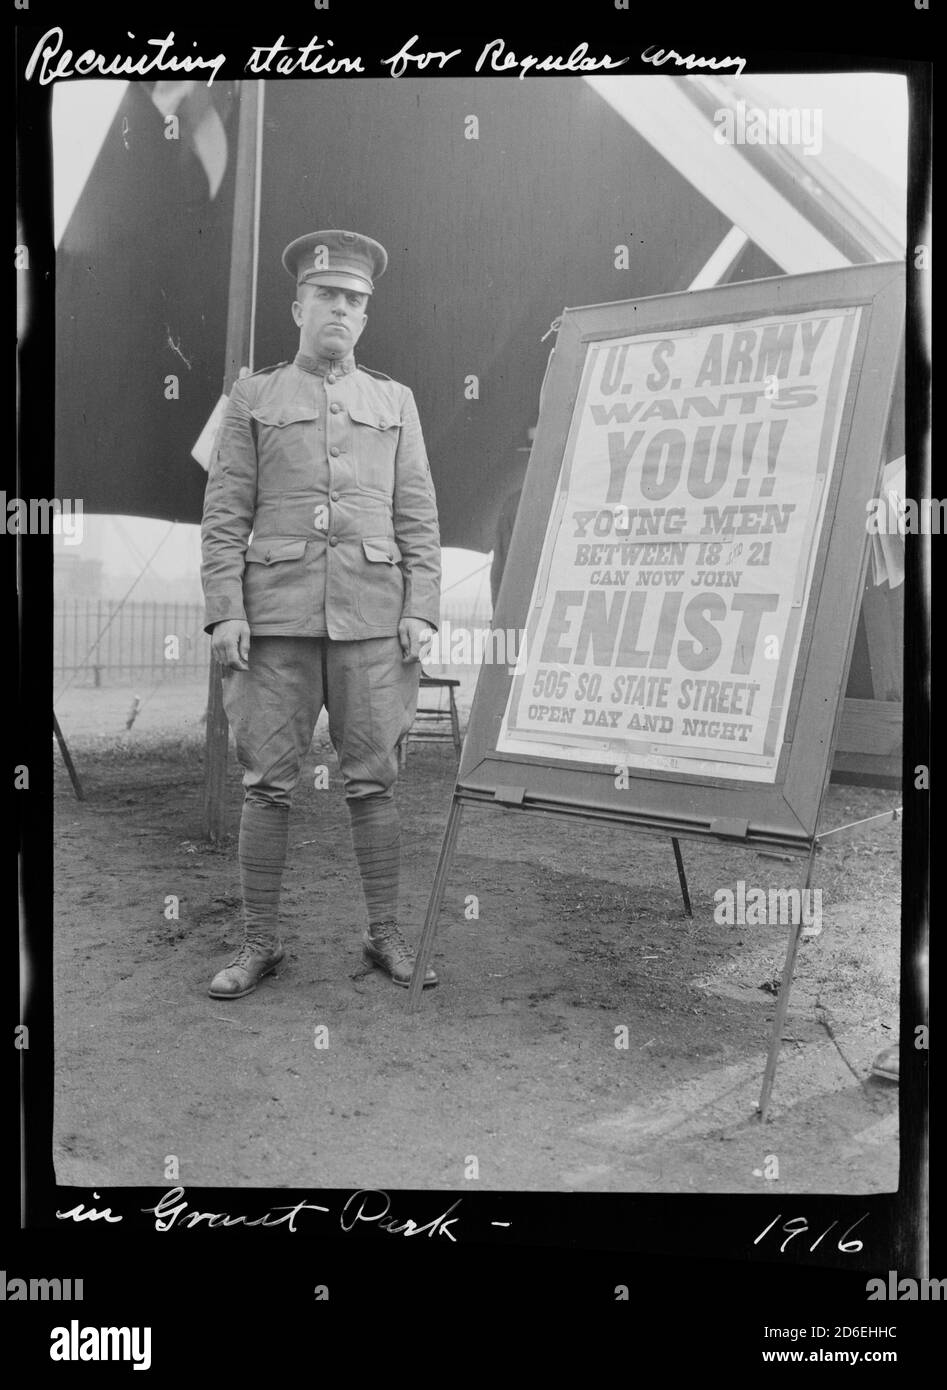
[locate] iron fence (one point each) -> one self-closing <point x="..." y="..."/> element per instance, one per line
<point x="100" y="642"/>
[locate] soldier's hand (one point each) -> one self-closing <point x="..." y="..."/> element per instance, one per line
<point x="230" y="644"/>
<point x="415" y="638"/>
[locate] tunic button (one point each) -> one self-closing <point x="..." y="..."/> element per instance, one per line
<point x="335" y="407"/>
<point x="334" y="496"/>
<point x="334" y="451"/>
<point x="330" y="379"/>
<point x="333" y="540"/>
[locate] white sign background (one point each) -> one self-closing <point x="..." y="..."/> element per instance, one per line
<point x="664" y="624"/>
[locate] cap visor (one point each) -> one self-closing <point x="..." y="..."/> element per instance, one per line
<point x="338" y="280"/>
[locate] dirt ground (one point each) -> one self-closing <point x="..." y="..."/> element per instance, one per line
<point x="512" y="1061"/>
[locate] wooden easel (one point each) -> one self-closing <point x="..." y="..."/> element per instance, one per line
<point x="779" y="813"/>
<point x="445" y="860"/>
<point x="509" y="797"/>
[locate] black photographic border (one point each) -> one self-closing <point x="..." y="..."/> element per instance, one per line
<point x="688" y="1257"/>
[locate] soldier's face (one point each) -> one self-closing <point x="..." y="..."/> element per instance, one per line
<point x="330" y="320"/>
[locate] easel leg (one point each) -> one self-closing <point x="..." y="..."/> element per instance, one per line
<point x="67" y="759"/>
<point x="678" y="859"/>
<point x="782" y="1003"/>
<point x="426" y="944"/>
<point x="454" y="722"/>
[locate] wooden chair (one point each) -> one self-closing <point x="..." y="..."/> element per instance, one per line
<point x="437" y="714"/>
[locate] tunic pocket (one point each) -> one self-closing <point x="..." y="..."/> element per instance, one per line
<point x="286" y="445"/>
<point x="375" y="436"/>
<point x="277" y="586"/>
<point x="380" y="588"/>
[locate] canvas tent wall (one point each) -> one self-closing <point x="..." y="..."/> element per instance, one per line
<point x="489" y="239"/>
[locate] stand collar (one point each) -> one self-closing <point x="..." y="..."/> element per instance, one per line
<point x="321" y="366"/>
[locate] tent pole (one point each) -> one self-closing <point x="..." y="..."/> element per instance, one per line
<point x="237" y="354"/>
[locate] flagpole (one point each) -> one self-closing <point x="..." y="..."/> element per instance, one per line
<point x="241" y="323"/>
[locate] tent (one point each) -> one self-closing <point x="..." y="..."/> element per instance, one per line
<point x="499" y="202"/>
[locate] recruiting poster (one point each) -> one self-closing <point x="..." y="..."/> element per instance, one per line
<point x="664" y="626"/>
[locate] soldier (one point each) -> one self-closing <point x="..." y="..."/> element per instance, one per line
<point x="331" y="601"/>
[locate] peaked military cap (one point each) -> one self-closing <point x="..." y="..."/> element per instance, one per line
<point x="347" y="260"/>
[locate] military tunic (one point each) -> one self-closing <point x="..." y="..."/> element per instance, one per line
<point x="320" y="516"/>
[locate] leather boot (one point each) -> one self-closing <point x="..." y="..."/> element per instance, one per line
<point x="384" y="946"/>
<point x="246" y="970"/>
